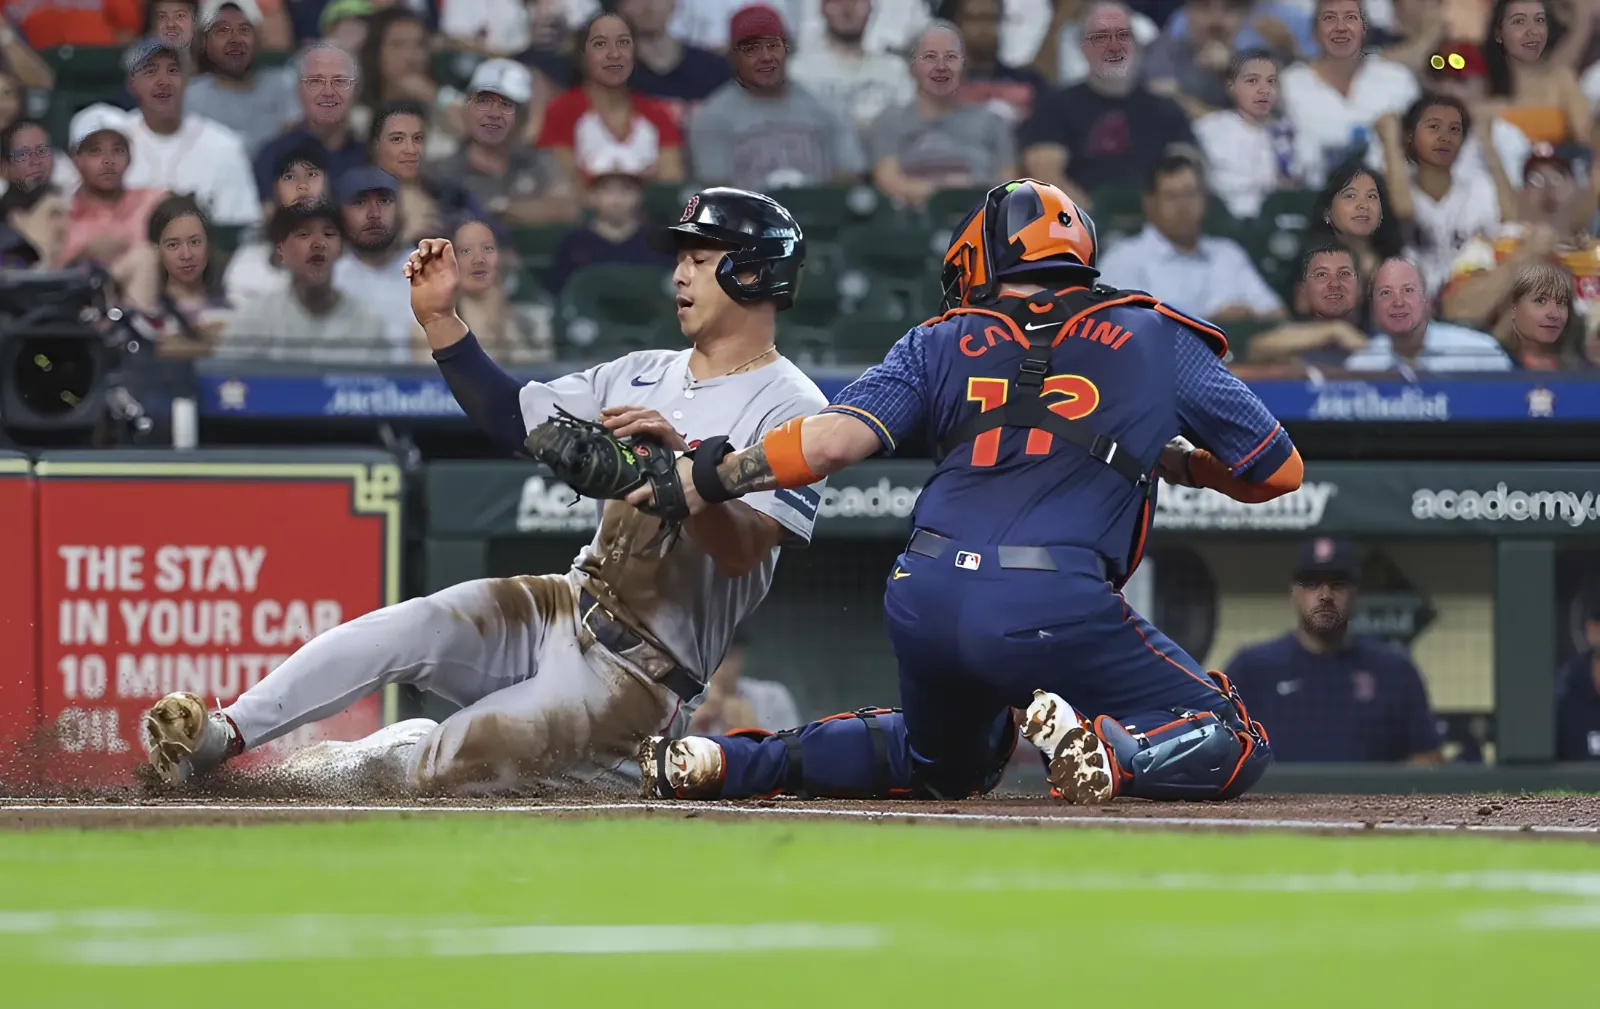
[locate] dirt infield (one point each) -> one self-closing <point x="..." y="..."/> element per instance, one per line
<point x="1576" y="816"/>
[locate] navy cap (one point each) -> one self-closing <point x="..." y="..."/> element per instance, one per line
<point x="1327" y="559"/>
<point x="364" y="180"/>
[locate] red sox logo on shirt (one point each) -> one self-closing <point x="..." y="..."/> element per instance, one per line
<point x="688" y="211"/>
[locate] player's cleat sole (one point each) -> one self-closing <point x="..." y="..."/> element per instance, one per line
<point x="1080" y="769"/>
<point x="688" y="768"/>
<point x="182" y="741"/>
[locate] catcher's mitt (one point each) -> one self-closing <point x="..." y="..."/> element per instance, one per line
<point x="596" y="463"/>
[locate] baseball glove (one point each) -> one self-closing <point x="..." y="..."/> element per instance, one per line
<point x="596" y="463"/>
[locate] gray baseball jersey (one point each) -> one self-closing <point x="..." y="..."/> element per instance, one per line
<point x="679" y="599"/>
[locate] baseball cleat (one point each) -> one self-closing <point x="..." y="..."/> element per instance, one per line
<point x="688" y="768"/>
<point x="183" y="742"/>
<point x="1080" y="767"/>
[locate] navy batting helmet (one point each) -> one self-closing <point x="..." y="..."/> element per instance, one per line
<point x="760" y="236"/>
<point x="1021" y="227"/>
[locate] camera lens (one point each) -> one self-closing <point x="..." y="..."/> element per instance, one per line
<point x="53" y="375"/>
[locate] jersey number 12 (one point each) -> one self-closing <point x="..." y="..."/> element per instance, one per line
<point x="1079" y="399"/>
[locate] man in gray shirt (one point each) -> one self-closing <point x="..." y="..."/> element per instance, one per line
<point x="761" y="131"/>
<point x="255" y="104"/>
<point x="315" y="323"/>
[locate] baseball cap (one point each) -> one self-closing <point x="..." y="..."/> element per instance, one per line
<point x="505" y="78"/>
<point x="1461" y="59"/>
<point x="209" y="9"/>
<point x="94" y="119"/>
<point x="145" y="50"/>
<point x="1325" y="558"/>
<point x="364" y="180"/>
<point x="286" y="219"/>
<point x="338" y="10"/>
<point x="757" y="21"/>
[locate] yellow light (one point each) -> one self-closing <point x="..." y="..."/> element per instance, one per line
<point x="1458" y="61"/>
<point x="1437" y="62"/>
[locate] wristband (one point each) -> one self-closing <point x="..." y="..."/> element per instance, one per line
<point x="785" y="456"/>
<point x="708" y="455"/>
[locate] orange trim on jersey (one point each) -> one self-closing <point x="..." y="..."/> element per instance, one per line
<point x="1242" y="463"/>
<point x="1139" y="543"/>
<point x="1204" y="327"/>
<point x="1206" y="470"/>
<point x="1068" y="326"/>
<point x="786" y="457"/>
<point x="863" y="415"/>
<point x="1016" y="331"/>
<point x="1127" y="618"/>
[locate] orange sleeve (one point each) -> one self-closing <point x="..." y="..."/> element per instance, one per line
<point x="1206" y="470"/>
<point x="785" y="456"/>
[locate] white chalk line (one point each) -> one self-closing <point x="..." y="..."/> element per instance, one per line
<point x="803" y="810"/>
<point x="1544" y="883"/>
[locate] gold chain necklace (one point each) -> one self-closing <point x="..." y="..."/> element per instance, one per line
<point x="688" y="374"/>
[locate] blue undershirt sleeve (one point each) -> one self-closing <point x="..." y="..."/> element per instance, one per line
<point x="486" y="391"/>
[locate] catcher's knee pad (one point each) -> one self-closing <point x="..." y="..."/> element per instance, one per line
<point x="855" y="755"/>
<point x="941" y="780"/>
<point x="1199" y="755"/>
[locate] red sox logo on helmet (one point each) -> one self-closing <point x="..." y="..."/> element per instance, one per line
<point x="688" y="211"/>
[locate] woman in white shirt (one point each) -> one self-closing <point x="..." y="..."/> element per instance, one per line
<point x="1442" y="208"/>
<point x="1249" y="151"/>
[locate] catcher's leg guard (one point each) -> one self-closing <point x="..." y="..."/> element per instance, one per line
<point x="1198" y="755"/>
<point x="855" y="755"/>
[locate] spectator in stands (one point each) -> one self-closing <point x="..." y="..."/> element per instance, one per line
<point x="1536" y="94"/>
<point x="1329" y="697"/>
<point x="487" y="27"/>
<point x="21" y="62"/>
<point x="1551" y="211"/>
<point x="109" y="216"/>
<point x="191" y="307"/>
<point x="327" y="77"/>
<point x="1107" y="129"/>
<point x="1353" y="210"/>
<point x="708" y="23"/>
<point x="1191" y="66"/>
<point x="614" y="232"/>
<point x="1578" y="694"/>
<point x="935" y="141"/>
<point x="1541" y="307"/>
<point x="52" y="25"/>
<point x="1329" y="282"/>
<point x="1336" y="97"/>
<point x="1208" y="276"/>
<point x="1469" y="84"/>
<point x="601" y="126"/>
<point x="763" y="131"/>
<point x="274" y="31"/>
<point x="171" y="22"/>
<point x="840" y="72"/>
<point x="1410" y="339"/>
<point x="30" y="161"/>
<point x="735" y="701"/>
<point x="369" y="200"/>
<point x="34" y="230"/>
<point x="665" y="67"/>
<point x="394" y="68"/>
<point x="520" y="185"/>
<point x="1006" y="90"/>
<point x="1063" y="56"/>
<point x="1252" y="152"/>
<point x="180" y="152"/>
<point x="316" y="323"/>
<point x="484" y="305"/>
<point x="1443" y="209"/>
<point x="343" y="24"/>
<point x="431" y="206"/>
<point x="301" y="178"/>
<point x="259" y="104"/>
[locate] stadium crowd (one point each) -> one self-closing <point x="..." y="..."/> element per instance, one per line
<point x="1403" y="184"/>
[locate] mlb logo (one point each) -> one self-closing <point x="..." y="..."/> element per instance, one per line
<point x="968" y="561"/>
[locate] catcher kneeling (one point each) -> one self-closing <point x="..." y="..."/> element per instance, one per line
<point x="562" y="676"/>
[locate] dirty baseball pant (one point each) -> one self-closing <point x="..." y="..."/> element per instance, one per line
<point x="540" y="700"/>
<point x="972" y="646"/>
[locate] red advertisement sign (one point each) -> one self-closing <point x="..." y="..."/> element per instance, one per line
<point x="196" y="577"/>
<point x="19" y="672"/>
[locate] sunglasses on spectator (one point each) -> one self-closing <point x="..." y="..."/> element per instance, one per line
<point x="321" y="83"/>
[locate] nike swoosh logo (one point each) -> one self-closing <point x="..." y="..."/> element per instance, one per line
<point x="1030" y="327"/>
<point x="898" y="574"/>
<point x="651" y="382"/>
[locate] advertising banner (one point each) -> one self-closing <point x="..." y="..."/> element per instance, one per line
<point x="875" y="500"/>
<point x="161" y="575"/>
<point x="19" y="670"/>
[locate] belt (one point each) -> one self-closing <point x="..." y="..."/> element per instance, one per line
<point x="610" y="632"/>
<point x="930" y="544"/>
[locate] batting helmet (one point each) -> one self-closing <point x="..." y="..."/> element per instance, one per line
<point x="1021" y="227"/>
<point x="758" y="232"/>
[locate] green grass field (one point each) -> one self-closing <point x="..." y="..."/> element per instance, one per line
<point x="501" y="910"/>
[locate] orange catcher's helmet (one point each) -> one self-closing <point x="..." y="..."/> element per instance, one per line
<point x="1022" y="227"/>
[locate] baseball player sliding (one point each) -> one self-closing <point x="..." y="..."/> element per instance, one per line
<point x="563" y="675"/>
<point x="1053" y="403"/>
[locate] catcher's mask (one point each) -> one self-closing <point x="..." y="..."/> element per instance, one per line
<point x="760" y="236"/>
<point x="1021" y="227"/>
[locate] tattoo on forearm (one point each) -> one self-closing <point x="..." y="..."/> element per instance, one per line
<point x="747" y="472"/>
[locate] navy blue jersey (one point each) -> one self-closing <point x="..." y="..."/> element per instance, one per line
<point x="1134" y="373"/>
